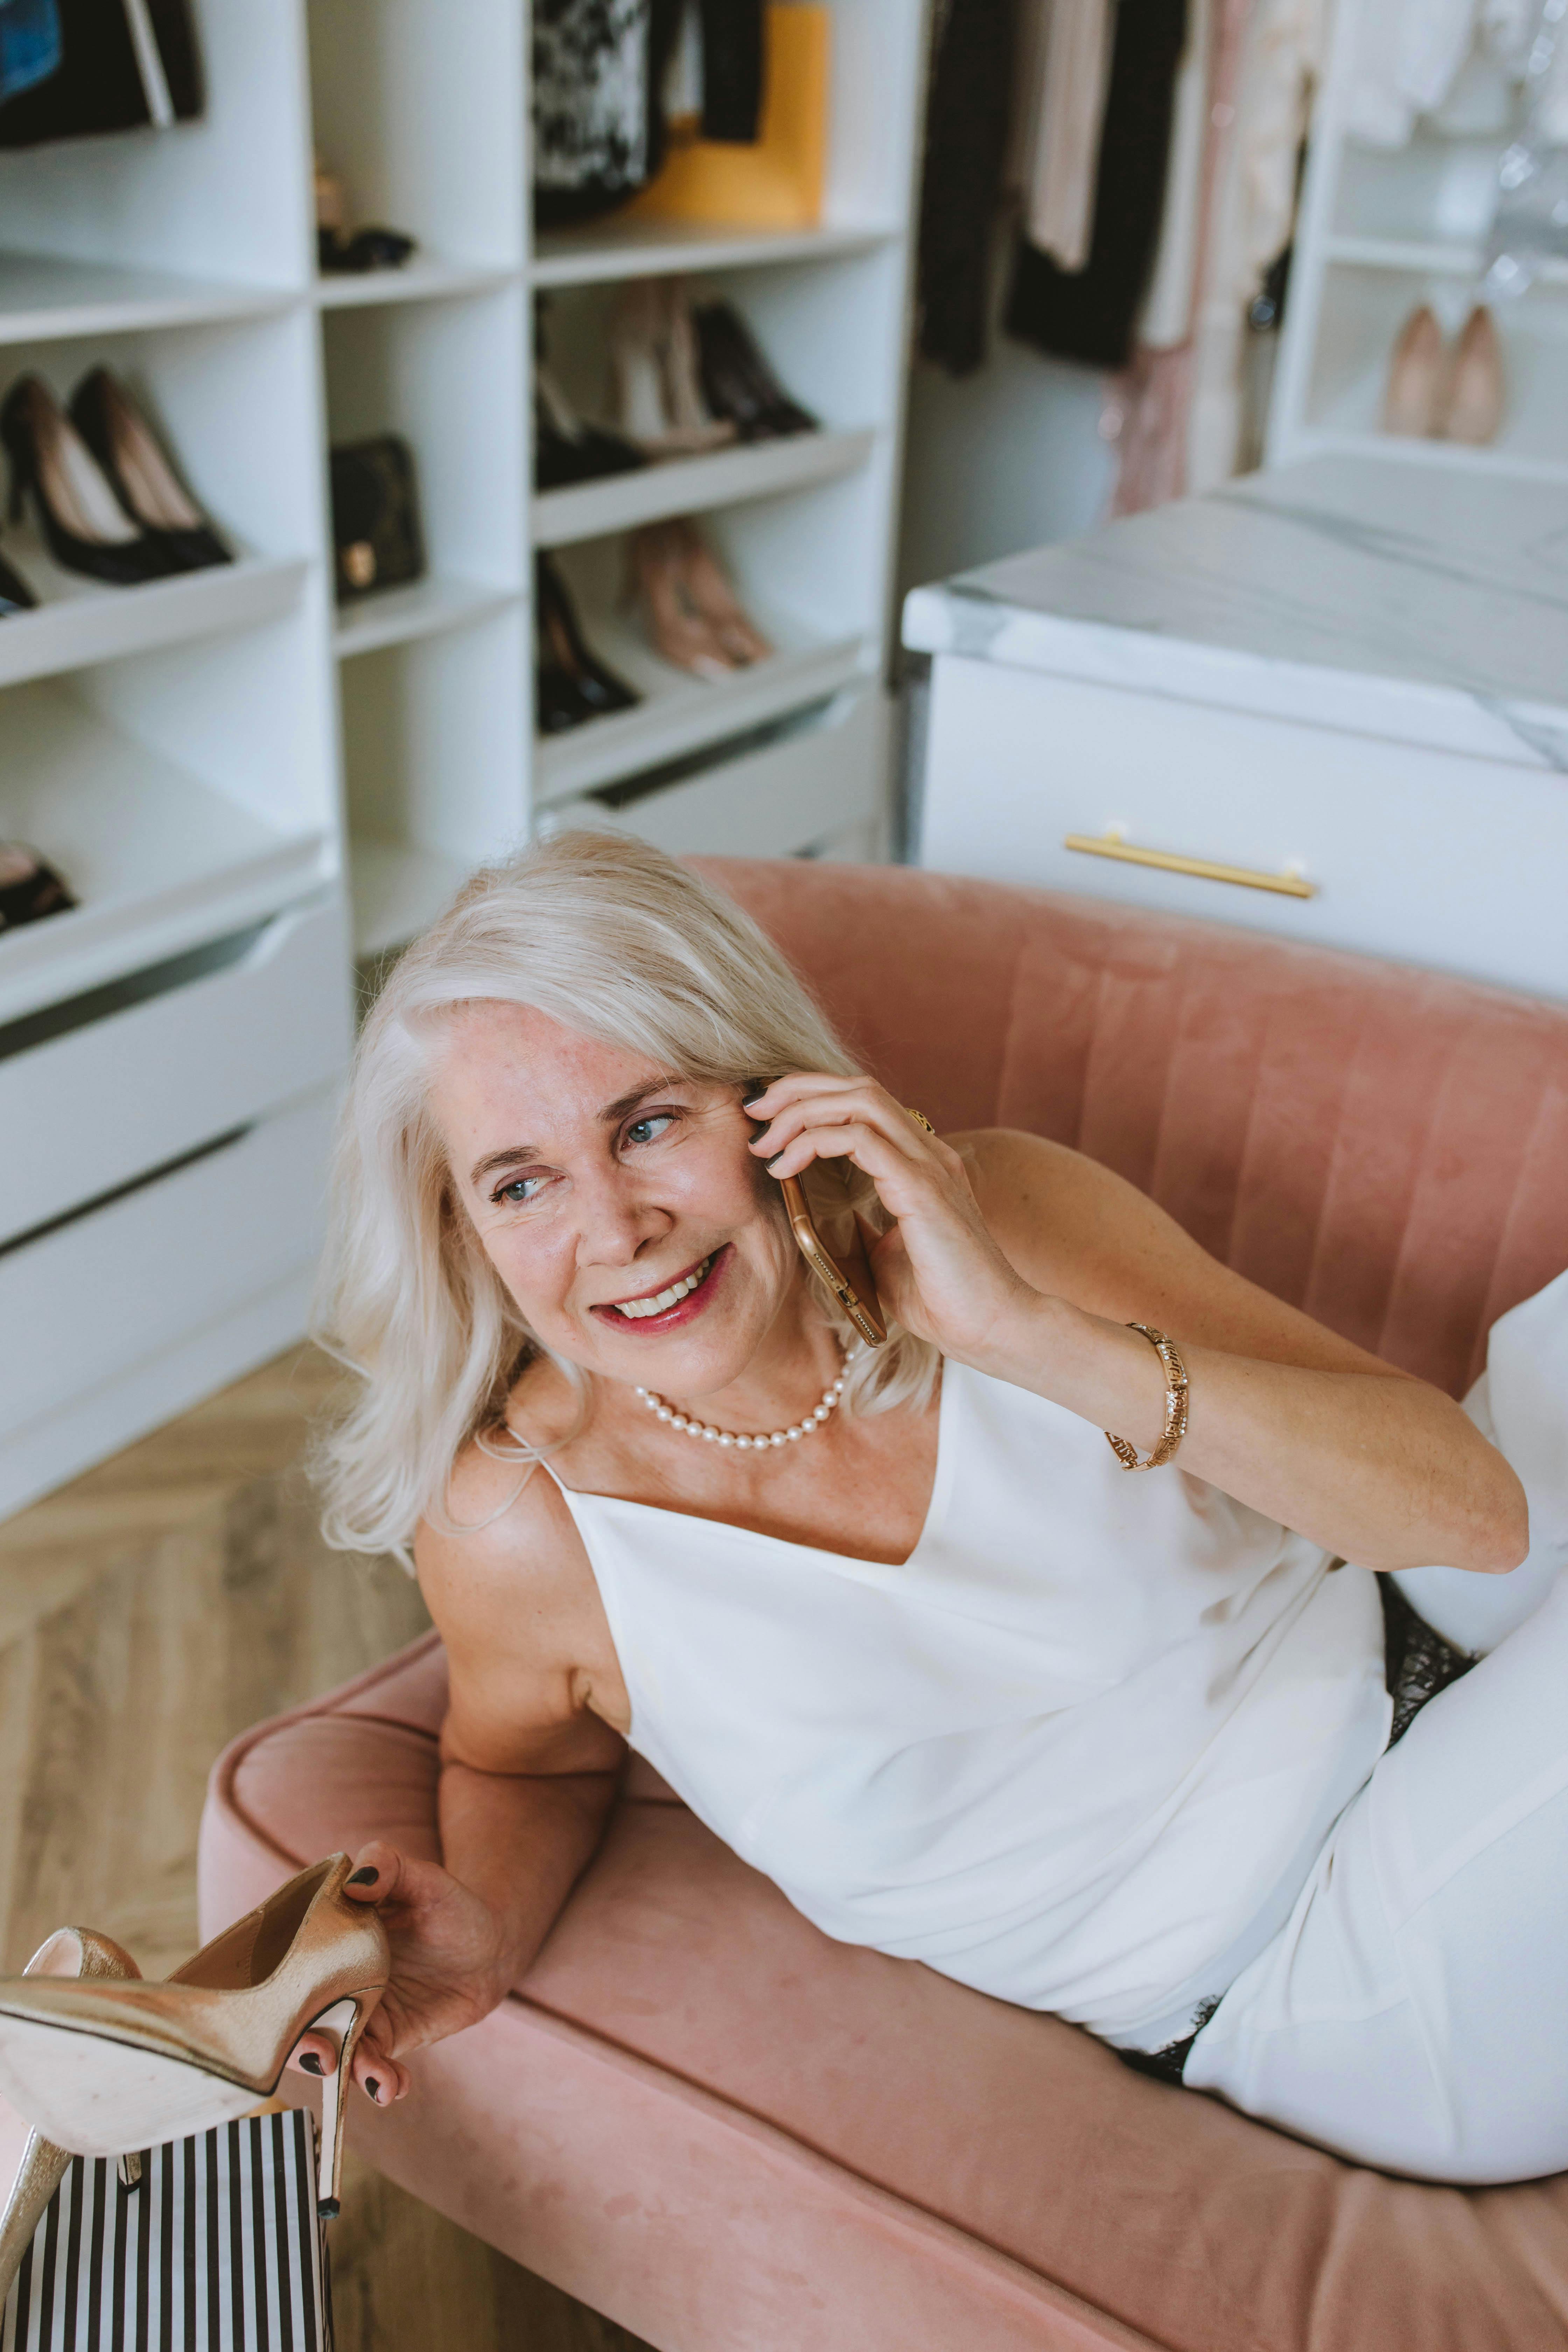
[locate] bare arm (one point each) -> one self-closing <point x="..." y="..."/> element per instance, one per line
<point x="528" y="1776"/>
<point x="1284" y="1414"/>
<point x="1029" y="1261"/>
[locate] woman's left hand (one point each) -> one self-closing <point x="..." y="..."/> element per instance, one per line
<point x="938" y="1270"/>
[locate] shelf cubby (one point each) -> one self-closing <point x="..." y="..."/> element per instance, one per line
<point x="159" y="855"/>
<point x="414" y="107"/>
<point x="680" y="713"/>
<point x="1363" y="314"/>
<point x="1382" y="230"/>
<point x="205" y="219"/>
<point x="449" y="377"/>
<point x="434" y="748"/>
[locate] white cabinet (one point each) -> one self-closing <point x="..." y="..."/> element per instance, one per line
<point x="1431" y="856"/>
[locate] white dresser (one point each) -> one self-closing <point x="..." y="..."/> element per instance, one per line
<point x="1330" y="701"/>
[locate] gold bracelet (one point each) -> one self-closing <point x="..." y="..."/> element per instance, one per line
<point x="1176" y="1427"/>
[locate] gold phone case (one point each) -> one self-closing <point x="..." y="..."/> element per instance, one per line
<point x="854" y="1286"/>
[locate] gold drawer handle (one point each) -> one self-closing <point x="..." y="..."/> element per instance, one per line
<point x="1169" y="861"/>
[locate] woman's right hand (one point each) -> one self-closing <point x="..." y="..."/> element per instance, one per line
<point x="448" y="1968"/>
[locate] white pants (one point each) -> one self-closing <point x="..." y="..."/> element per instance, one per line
<point x="1413" y="2013"/>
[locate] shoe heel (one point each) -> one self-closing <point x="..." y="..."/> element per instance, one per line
<point x="347" y="2019"/>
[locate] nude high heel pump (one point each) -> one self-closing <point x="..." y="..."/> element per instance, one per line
<point x="707" y="588"/>
<point x="1474" y="394"/>
<point x="69" y="1952"/>
<point x="1417" y="367"/>
<point x="102" y="2066"/>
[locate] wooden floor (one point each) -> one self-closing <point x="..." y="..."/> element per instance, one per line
<point x="148" y="1612"/>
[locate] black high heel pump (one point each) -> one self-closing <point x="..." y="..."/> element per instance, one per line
<point x="78" y="514"/>
<point x="16" y="596"/>
<point x="573" y="683"/>
<point x="139" y="473"/>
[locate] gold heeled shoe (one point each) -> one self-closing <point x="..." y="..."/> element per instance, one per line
<point x="75" y="1952"/>
<point x="102" y="2066"/>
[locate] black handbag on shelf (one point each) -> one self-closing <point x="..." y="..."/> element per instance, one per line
<point x="120" y="64"/>
<point x="375" y="517"/>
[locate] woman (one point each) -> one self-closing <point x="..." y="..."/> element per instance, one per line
<point x="969" y="1684"/>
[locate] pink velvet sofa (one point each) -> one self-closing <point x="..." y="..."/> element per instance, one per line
<point x="733" y="2135"/>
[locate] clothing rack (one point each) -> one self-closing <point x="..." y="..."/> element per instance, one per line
<point x="250" y="788"/>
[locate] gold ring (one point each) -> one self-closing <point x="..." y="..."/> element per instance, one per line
<point x="919" y="1120"/>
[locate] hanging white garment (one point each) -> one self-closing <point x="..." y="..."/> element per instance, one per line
<point x="1067" y="120"/>
<point x="1168" y="308"/>
<point x="1406" y="57"/>
<point x="1281" y="64"/>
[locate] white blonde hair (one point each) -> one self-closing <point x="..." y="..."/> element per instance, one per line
<point x="618" y="942"/>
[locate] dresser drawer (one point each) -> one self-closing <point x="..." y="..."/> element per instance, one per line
<point x="1426" y="857"/>
<point x="233" y="1031"/>
<point x="86" y="1304"/>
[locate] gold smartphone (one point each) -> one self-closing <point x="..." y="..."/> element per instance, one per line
<point x="853" y="1285"/>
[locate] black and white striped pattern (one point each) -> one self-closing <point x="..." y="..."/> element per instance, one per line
<point x="219" y="2250"/>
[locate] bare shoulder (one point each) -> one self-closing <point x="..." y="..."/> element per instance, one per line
<point x="508" y="1584"/>
<point x="504" y="1537"/>
<point x="1080" y="1232"/>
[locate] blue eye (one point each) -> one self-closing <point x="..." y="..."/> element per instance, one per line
<point x="648" y="1129"/>
<point x="517" y="1191"/>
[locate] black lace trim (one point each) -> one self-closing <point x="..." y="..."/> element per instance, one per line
<point x="1418" y="1662"/>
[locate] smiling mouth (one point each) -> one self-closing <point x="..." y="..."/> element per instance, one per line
<point x="679" y="1299"/>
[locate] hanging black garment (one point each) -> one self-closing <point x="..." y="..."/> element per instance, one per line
<point x="599" y="71"/>
<point x="1090" y="314"/>
<point x="731" y="69"/>
<point x="966" y="139"/>
<point x="124" y="64"/>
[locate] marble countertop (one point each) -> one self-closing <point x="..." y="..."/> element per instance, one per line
<point x="1386" y="597"/>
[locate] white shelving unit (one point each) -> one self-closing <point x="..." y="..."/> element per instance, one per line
<point x="250" y="788"/>
<point x="1380" y="231"/>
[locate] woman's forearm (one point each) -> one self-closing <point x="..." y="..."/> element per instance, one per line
<point x="1383" y="1470"/>
<point x="520" y="1841"/>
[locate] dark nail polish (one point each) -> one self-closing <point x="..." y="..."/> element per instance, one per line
<point x="365" y="1877"/>
<point x="747" y="1101"/>
<point x="310" y="2063"/>
<point x="374" y="2087"/>
<point x="773" y="1163"/>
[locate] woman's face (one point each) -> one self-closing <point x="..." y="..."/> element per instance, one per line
<point x="617" y="1202"/>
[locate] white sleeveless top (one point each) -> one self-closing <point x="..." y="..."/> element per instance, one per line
<point x="1079" y="1751"/>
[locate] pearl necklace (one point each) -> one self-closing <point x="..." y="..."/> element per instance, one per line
<point x="663" y="1410"/>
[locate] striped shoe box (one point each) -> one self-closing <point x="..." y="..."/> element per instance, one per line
<point x="218" y="2250"/>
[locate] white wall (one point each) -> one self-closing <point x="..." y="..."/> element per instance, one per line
<point x="1007" y="458"/>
